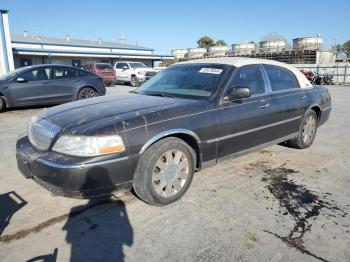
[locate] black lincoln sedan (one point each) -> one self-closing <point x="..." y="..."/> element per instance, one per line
<point x="189" y="116"/>
<point x="47" y="84"/>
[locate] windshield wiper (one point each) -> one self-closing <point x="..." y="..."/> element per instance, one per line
<point x="160" y="94"/>
<point x="134" y="92"/>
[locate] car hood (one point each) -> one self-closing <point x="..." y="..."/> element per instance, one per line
<point x="95" y="114"/>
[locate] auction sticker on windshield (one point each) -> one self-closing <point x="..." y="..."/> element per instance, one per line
<point x="207" y="70"/>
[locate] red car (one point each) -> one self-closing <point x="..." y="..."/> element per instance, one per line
<point x="105" y="70"/>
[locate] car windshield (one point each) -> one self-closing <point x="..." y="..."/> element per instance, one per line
<point x="13" y="73"/>
<point x="137" y="65"/>
<point x="104" y="67"/>
<point x="197" y="81"/>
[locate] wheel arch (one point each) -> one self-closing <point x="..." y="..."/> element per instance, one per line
<point x="188" y="136"/>
<point x="317" y="110"/>
<point x="80" y="88"/>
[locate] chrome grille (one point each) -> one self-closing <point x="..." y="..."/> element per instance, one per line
<point x="41" y="133"/>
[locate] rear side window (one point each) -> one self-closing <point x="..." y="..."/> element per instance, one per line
<point x="280" y="78"/>
<point x="82" y="73"/>
<point x="65" y="72"/>
<point x="104" y="67"/>
<point x="249" y="76"/>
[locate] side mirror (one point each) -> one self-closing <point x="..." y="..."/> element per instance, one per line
<point x="238" y="92"/>
<point x="21" y="80"/>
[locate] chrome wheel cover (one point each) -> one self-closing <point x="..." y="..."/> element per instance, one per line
<point x="309" y="129"/>
<point x="170" y="173"/>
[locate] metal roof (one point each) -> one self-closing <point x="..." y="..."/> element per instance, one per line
<point x="74" y="42"/>
<point x="242" y="61"/>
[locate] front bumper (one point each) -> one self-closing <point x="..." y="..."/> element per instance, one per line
<point x="74" y="176"/>
<point x="141" y="78"/>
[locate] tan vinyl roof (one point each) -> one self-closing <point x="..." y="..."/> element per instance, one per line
<point x="242" y="61"/>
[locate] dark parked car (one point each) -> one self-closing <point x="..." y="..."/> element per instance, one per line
<point x="47" y="84"/>
<point x="105" y="70"/>
<point x="189" y="116"/>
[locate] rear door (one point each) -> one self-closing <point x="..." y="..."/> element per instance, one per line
<point x="288" y="100"/>
<point x="64" y="82"/>
<point x="245" y="123"/>
<point x="36" y="89"/>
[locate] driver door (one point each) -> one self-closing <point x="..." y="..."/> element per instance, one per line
<point x="244" y="123"/>
<point x="35" y="89"/>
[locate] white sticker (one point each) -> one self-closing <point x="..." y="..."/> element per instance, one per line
<point x="207" y="70"/>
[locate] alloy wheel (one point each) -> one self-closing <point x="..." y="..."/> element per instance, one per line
<point x="309" y="129"/>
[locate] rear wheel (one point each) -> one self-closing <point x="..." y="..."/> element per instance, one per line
<point x="87" y="92"/>
<point x="307" y="131"/>
<point x="134" y="81"/>
<point x="2" y="104"/>
<point x="164" y="172"/>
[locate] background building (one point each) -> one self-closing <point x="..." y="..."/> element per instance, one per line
<point x="24" y="50"/>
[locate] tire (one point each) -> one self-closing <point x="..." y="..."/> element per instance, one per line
<point x="2" y="104"/>
<point x="134" y="82"/>
<point x="160" y="179"/>
<point x="86" y="92"/>
<point x="307" y="131"/>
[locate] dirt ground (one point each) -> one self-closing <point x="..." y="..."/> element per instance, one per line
<point x="277" y="204"/>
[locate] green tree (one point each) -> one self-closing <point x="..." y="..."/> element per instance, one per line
<point x="346" y="48"/>
<point x="220" y="43"/>
<point x="205" y="42"/>
<point x="339" y="48"/>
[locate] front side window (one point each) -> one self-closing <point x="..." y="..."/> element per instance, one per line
<point x="280" y="78"/>
<point x="136" y="65"/>
<point x="249" y="76"/>
<point x="198" y="81"/>
<point x="39" y="74"/>
<point x="64" y="72"/>
<point x="122" y="65"/>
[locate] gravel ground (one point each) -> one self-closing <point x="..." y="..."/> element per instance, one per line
<point x="277" y="204"/>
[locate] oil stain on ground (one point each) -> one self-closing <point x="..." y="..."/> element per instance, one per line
<point x="301" y="204"/>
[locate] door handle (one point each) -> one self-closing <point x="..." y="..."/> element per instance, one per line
<point x="264" y="106"/>
<point x="77" y="80"/>
<point x="303" y="97"/>
<point x="45" y="83"/>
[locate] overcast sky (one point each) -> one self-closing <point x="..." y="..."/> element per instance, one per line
<point x="165" y="25"/>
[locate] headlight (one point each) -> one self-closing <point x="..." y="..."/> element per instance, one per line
<point x="140" y="73"/>
<point x="86" y="146"/>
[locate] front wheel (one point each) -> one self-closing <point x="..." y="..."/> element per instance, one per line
<point x="87" y="92"/>
<point x="2" y="104"/>
<point x="134" y="81"/>
<point x="164" y="172"/>
<point x="307" y="131"/>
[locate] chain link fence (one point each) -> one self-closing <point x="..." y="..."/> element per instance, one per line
<point x="340" y="71"/>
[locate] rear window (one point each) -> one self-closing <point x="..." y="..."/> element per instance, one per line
<point x="104" y="67"/>
<point x="64" y="72"/>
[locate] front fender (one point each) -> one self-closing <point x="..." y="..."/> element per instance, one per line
<point x="169" y="133"/>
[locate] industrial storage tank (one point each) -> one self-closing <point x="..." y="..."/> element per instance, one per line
<point x="218" y="50"/>
<point x="196" y="52"/>
<point x="179" y="53"/>
<point x="278" y="45"/>
<point x="244" y="48"/>
<point x="308" y="43"/>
